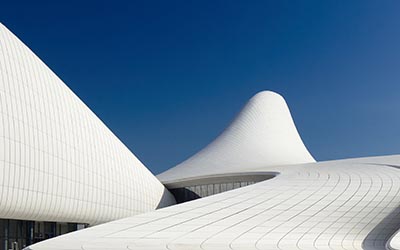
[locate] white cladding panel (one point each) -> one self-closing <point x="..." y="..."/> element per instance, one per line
<point x="58" y="161"/>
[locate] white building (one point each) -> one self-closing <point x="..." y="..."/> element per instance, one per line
<point x="58" y="161"/>
<point x="255" y="186"/>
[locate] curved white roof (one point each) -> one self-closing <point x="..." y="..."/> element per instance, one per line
<point x="58" y="161"/>
<point x="263" y="134"/>
<point x="340" y="205"/>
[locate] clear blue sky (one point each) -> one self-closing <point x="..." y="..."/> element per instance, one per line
<point x="167" y="76"/>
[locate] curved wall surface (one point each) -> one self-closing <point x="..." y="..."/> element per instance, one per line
<point x="58" y="161"/>
<point x="263" y="134"/>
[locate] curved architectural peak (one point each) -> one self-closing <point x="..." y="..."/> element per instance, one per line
<point x="58" y="161"/>
<point x="263" y="134"/>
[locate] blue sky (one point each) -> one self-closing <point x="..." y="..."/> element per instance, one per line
<point x="168" y="76"/>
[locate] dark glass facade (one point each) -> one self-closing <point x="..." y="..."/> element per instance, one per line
<point x="17" y="234"/>
<point x="188" y="190"/>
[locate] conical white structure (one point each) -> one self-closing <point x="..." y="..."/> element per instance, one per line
<point x="58" y="161"/>
<point x="263" y="134"/>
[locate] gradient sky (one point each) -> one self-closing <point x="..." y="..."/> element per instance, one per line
<point x="168" y="76"/>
